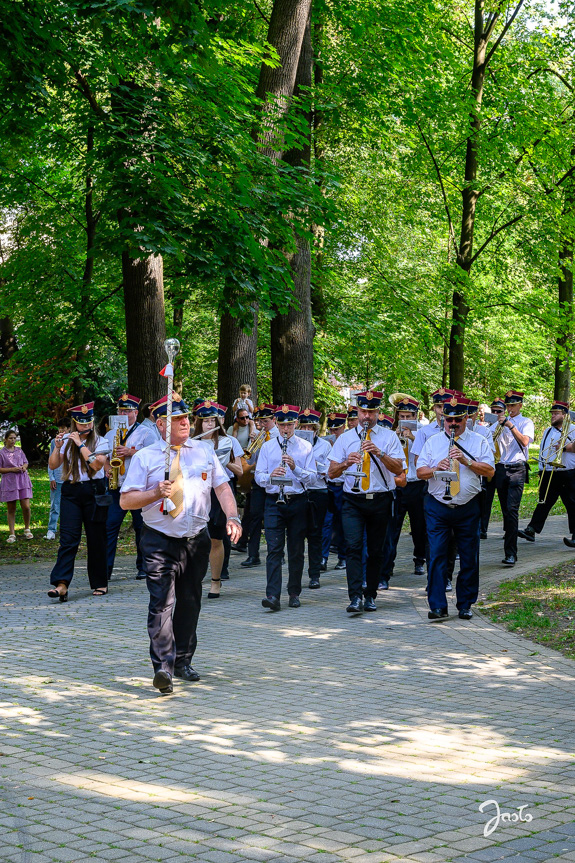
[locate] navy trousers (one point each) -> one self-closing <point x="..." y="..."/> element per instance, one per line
<point x="332" y="527"/>
<point x="286" y="519"/>
<point x="174" y="571"/>
<point x="408" y="501"/>
<point x="487" y="503"/>
<point x="316" y="511"/>
<point x="367" y="517"/>
<point x="463" y="522"/>
<point x="116" y="516"/>
<point x="77" y="508"/>
<point x="509" y="481"/>
<point x="257" y="507"/>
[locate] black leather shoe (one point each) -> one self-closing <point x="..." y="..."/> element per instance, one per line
<point x="483" y="534"/>
<point x="437" y="613"/>
<point x="272" y="602"/>
<point x="383" y="585"/>
<point x="294" y="601"/>
<point x="241" y="548"/>
<point x="355" y="606"/>
<point x="250" y="561"/>
<point x="225" y="576"/>
<point x="509" y="561"/>
<point x="418" y="569"/>
<point x="465" y="614"/>
<point x="163" y="681"/>
<point x="448" y="586"/>
<point x="323" y="565"/>
<point x="369" y="604"/>
<point x="570" y="543"/>
<point x="314" y="584"/>
<point x="527" y="533"/>
<point x="186" y="672"/>
<point x="341" y="564"/>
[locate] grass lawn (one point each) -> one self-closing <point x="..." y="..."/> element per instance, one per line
<point x="39" y="548"/>
<point x="540" y="606"/>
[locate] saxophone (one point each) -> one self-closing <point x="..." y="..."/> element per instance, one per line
<point x="116" y="463"/>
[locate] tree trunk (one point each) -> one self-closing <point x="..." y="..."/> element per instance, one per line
<point x="469" y="195"/>
<point x="565" y="336"/>
<point x="8" y="344"/>
<point x="88" y="273"/>
<point x="292" y="334"/>
<point x="145" y="325"/>
<point x="237" y="362"/>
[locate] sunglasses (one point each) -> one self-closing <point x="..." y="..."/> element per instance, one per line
<point x="453" y="419"/>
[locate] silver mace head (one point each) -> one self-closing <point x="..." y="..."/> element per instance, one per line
<point x="171" y="347"/>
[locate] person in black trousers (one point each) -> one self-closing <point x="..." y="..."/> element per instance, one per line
<point x="317" y="496"/>
<point x="82" y="453"/>
<point x="258" y="494"/>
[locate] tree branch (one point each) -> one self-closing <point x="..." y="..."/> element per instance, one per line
<point x="503" y="32"/>
<point x="85" y="89"/>
<point x="49" y="195"/>
<point x="553" y="72"/>
<point x="267" y="20"/>
<point x="440" y="179"/>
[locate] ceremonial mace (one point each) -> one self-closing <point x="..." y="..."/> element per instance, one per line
<point x="172" y="348"/>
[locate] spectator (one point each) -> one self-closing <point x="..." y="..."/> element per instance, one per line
<point x="244" y="400"/>
<point x="244" y="428"/>
<point x="15" y="484"/>
<point x="56" y="484"/>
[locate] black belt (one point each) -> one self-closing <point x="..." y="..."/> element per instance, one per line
<point x="516" y="465"/>
<point x="287" y="496"/>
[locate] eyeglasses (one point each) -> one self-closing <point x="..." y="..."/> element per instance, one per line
<point x="453" y="419"/>
<point x="242" y="419"/>
<point x="497" y="410"/>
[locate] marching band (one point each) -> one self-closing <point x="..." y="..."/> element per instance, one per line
<point x="349" y="491"/>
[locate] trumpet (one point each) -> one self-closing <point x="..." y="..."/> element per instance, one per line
<point x="496" y="435"/>
<point x="255" y="444"/>
<point x="116" y="463"/>
<point x="358" y="474"/>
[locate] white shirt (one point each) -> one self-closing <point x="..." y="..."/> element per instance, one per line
<point x="270" y="457"/>
<point x="486" y="432"/>
<point x="237" y="452"/>
<point x="201" y="470"/>
<point x="547" y="450"/>
<point x="141" y="436"/>
<point x="422" y="435"/>
<point x="152" y="428"/>
<point x="437" y="448"/>
<point x="100" y="448"/>
<point x="321" y="454"/>
<point x="386" y="440"/>
<point x="273" y="433"/>
<point x="511" y="451"/>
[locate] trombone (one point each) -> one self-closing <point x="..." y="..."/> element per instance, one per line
<point x="553" y="457"/>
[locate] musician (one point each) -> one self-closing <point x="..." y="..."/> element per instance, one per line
<point x="385" y="421"/>
<point x="209" y="417"/>
<point x="511" y="473"/>
<point x="352" y="419"/>
<point x="555" y="482"/>
<point x="332" y="533"/>
<point x="317" y="496"/>
<point x="136" y="438"/>
<point x="285" y="509"/>
<point x="408" y="500"/>
<point x="425" y="432"/>
<point x="476" y="426"/>
<point x="266" y="417"/>
<point x="497" y="407"/>
<point x="380" y="457"/>
<point x="470" y="458"/>
<point x="148" y="423"/>
<point x="82" y="455"/>
<point x="176" y="545"/>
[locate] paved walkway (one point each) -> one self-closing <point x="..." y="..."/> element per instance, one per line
<point x="310" y="737"/>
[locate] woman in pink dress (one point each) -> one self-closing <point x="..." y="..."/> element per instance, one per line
<point x="15" y="484"/>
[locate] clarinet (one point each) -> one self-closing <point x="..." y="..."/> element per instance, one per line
<point x="281" y="496"/>
<point x="448" y="495"/>
<point x="359" y="475"/>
